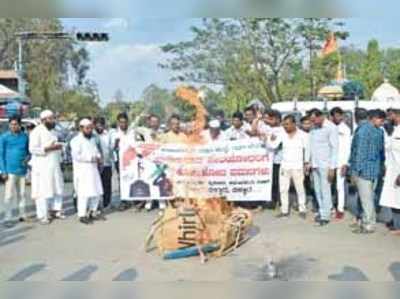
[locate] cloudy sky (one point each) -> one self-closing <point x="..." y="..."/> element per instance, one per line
<point x="129" y="60"/>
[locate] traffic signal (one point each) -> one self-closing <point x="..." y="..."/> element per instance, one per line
<point x="92" y="36"/>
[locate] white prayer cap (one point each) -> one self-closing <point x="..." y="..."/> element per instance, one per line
<point x="46" y="113"/>
<point x="215" y="124"/>
<point x="85" y="122"/>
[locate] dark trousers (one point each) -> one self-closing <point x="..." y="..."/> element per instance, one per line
<point x="310" y="192"/>
<point x="396" y="219"/>
<point x="275" y="191"/>
<point x="106" y="181"/>
<point x="378" y="193"/>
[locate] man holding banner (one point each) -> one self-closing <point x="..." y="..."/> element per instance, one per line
<point x="214" y="132"/>
<point x="174" y="135"/>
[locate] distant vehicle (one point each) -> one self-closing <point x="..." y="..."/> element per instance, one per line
<point x="299" y="108"/>
<point x="25" y="121"/>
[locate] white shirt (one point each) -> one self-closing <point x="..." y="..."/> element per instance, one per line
<point x="276" y="131"/>
<point x="295" y="149"/>
<point x="122" y="136"/>
<point x="87" y="181"/>
<point x="344" y="147"/>
<point x="236" y="134"/>
<point x="207" y="136"/>
<point x="47" y="178"/>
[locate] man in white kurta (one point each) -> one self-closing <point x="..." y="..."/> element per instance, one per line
<point x="344" y="149"/>
<point x="47" y="177"/>
<point x="86" y="159"/>
<point x="214" y="133"/>
<point x="391" y="189"/>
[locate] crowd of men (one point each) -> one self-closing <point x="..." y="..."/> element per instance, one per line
<point x="318" y="155"/>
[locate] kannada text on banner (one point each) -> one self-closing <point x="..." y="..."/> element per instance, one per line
<point x="236" y="170"/>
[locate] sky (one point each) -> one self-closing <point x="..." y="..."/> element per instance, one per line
<point x="129" y="61"/>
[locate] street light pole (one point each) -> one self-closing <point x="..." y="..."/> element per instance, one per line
<point x="24" y="36"/>
<point x="21" y="83"/>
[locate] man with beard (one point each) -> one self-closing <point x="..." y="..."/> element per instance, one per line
<point x="344" y="147"/>
<point x="87" y="182"/>
<point x="105" y="143"/>
<point x="391" y="189"/>
<point x="390" y="121"/>
<point x="47" y="177"/>
<point x="214" y="132"/>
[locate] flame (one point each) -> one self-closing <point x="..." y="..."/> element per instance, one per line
<point x="193" y="97"/>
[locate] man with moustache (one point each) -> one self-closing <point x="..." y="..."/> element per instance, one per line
<point x="47" y="177"/>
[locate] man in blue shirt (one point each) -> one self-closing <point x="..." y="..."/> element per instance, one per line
<point x="366" y="163"/>
<point x="14" y="154"/>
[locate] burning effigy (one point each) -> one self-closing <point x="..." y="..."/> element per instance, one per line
<point x="192" y="226"/>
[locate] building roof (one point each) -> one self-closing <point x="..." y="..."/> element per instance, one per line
<point x="8" y="74"/>
<point x="386" y="92"/>
<point x="331" y="91"/>
<point x="5" y="92"/>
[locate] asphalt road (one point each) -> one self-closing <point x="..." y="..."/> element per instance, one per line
<point x="113" y="251"/>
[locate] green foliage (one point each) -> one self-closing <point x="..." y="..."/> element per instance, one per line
<point x="251" y="57"/>
<point x="371" y="69"/>
<point x="46" y="64"/>
<point x="157" y="101"/>
<point x="352" y="89"/>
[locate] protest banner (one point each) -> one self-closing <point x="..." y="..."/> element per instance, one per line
<point x="236" y="170"/>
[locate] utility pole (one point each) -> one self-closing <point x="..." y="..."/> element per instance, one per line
<point x="46" y="35"/>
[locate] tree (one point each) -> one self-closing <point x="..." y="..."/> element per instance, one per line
<point x="391" y="65"/>
<point x="81" y="102"/>
<point x="274" y="45"/>
<point x="314" y="32"/>
<point x="250" y="58"/>
<point x="371" y="70"/>
<point x="157" y="101"/>
<point x="46" y="62"/>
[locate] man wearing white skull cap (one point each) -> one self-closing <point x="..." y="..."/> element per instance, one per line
<point x="214" y="133"/>
<point x="86" y="158"/>
<point x="47" y="178"/>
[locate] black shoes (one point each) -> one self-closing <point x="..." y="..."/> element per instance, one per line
<point x="303" y="215"/>
<point x="89" y="219"/>
<point x="282" y="215"/>
<point x="97" y="217"/>
<point x="323" y="222"/>
<point x="363" y="231"/>
<point x="85" y="220"/>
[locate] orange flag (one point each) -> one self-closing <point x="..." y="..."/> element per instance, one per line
<point x="330" y="46"/>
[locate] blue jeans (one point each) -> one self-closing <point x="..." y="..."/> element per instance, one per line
<point x="323" y="192"/>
